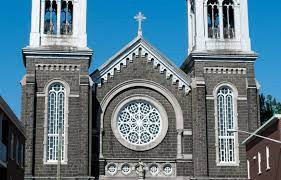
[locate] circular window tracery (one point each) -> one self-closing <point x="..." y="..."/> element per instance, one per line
<point x="154" y="169"/>
<point x="168" y="169"/>
<point x="139" y="122"/>
<point x="112" y="169"/>
<point x="126" y="169"/>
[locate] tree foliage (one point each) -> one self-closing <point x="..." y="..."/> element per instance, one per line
<point x="268" y="107"/>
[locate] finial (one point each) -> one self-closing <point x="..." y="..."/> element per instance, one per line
<point x="140" y="17"/>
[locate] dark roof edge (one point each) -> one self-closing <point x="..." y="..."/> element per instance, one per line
<point x="9" y="112"/>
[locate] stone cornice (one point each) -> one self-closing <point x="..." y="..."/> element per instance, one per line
<point x="57" y="67"/>
<point x="224" y="70"/>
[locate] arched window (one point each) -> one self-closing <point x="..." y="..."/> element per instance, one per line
<point x="50" y="18"/>
<point x="213" y="19"/>
<point x="66" y="17"/>
<point x="228" y="19"/>
<point x="226" y="121"/>
<point x="56" y="122"/>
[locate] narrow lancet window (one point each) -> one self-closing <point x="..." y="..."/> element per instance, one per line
<point x="50" y="19"/>
<point x="56" y="122"/>
<point x="213" y="19"/>
<point x="226" y="139"/>
<point x="66" y="17"/>
<point x="228" y="19"/>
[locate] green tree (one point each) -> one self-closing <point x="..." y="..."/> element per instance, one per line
<point x="268" y="107"/>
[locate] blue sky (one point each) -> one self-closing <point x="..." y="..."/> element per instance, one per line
<point x="111" y="25"/>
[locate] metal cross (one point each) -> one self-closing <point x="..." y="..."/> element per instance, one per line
<point x="140" y="17"/>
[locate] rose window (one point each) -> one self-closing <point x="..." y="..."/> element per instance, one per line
<point x="139" y="123"/>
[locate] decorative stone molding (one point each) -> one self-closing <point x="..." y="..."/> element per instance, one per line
<point x="224" y="70"/>
<point x="57" y="67"/>
<point x="143" y="49"/>
<point x="115" y="169"/>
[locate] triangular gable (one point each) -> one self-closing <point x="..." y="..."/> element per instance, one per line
<point x="140" y="47"/>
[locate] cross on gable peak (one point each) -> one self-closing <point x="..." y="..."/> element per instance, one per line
<point x="140" y="18"/>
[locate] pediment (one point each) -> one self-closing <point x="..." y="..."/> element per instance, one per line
<point x="140" y="47"/>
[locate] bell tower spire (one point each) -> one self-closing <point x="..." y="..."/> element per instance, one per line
<point x="58" y="23"/>
<point x="218" y="25"/>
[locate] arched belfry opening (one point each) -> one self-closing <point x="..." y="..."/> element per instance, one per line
<point x="50" y="17"/>
<point x="228" y="19"/>
<point x="66" y="17"/>
<point x="213" y="19"/>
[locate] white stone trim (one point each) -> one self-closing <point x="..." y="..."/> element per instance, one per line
<point x="160" y="109"/>
<point x="249" y="169"/>
<point x="141" y="83"/>
<point x="224" y="70"/>
<point x="142" y="49"/>
<point x="187" y="132"/>
<point x="66" y="109"/>
<point x="57" y="67"/>
<point x="267" y="151"/>
<point x="235" y="119"/>
<point x="259" y="163"/>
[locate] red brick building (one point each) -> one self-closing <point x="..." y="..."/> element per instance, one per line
<point x="12" y="142"/>
<point x="264" y="156"/>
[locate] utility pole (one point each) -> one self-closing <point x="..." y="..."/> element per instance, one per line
<point x="59" y="154"/>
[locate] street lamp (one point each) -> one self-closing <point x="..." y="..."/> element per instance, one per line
<point x="253" y="134"/>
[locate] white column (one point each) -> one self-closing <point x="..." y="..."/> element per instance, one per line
<point x="58" y="16"/>
<point x="206" y="20"/>
<point x="237" y="25"/>
<point x="245" y="39"/>
<point x="200" y="35"/>
<point x="221" y="20"/>
<point x="190" y="33"/>
<point x="35" y="24"/>
<point x="179" y="144"/>
<point x="82" y="24"/>
<point x="42" y="16"/>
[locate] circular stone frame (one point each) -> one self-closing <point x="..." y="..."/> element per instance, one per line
<point x="160" y="109"/>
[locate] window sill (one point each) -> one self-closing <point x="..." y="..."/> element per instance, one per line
<point x="55" y="163"/>
<point x="228" y="164"/>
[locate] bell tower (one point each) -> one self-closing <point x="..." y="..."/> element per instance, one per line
<point x="56" y="91"/>
<point x="218" y="25"/>
<point x="221" y="64"/>
<point x="58" y="23"/>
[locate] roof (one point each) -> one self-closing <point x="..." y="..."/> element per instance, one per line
<point x="140" y="47"/>
<point x="263" y="128"/>
<point x="9" y="112"/>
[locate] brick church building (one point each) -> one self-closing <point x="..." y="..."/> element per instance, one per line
<point x="139" y="115"/>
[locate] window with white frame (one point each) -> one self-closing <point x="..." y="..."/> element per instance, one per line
<point x="267" y="158"/>
<point x="228" y="19"/>
<point x="225" y="122"/>
<point x="56" y="123"/>
<point x="213" y="19"/>
<point x="58" y="17"/>
<point x="220" y="19"/>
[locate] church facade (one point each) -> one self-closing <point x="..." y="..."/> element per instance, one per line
<point x="139" y="116"/>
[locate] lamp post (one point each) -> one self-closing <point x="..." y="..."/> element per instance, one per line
<point x="253" y="134"/>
